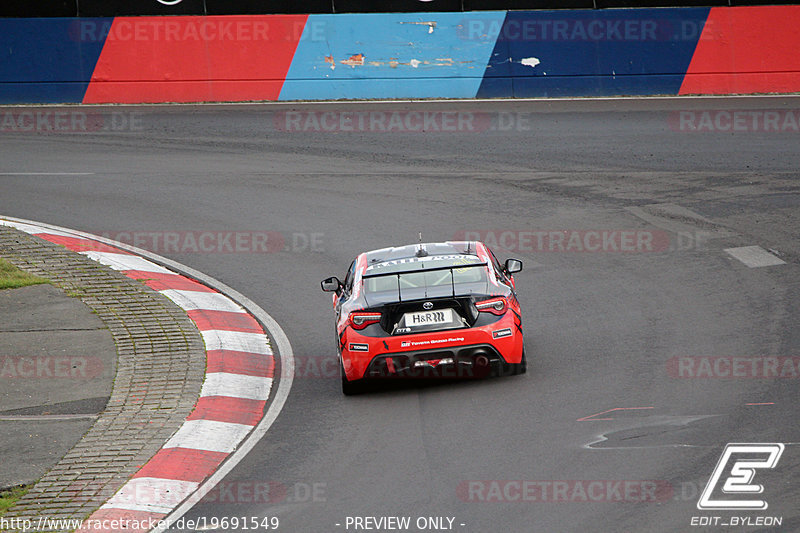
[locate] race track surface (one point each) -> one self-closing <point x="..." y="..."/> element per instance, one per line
<point x="606" y="329"/>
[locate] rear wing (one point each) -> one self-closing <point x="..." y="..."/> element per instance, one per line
<point x="396" y="287"/>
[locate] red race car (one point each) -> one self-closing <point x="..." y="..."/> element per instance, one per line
<point x="445" y="309"/>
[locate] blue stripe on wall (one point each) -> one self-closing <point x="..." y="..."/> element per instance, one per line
<point x="410" y="55"/>
<point x="48" y="60"/>
<point x="591" y="53"/>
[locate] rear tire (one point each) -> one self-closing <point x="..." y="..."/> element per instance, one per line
<point x="350" y="388"/>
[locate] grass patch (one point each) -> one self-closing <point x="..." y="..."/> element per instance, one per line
<point x="9" y="497"/>
<point x="12" y="278"/>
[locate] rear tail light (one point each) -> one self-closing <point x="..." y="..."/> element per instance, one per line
<point x="496" y="306"/>
<point x="361" y="320"/>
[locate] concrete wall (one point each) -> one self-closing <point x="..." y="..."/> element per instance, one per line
<point x="670" y="51"/>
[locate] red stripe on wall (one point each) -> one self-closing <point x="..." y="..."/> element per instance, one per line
<point x="195" y="59"/>
<point x="228" y="409"/>
<point x="245" y="363"/>
<point x="746" y="50"/>
<point x="184" y="464"/>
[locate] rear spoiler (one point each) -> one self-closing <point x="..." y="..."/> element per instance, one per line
<point x="422" y="271"/>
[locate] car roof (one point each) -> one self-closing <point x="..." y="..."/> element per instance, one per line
<point x="422" y="250"/>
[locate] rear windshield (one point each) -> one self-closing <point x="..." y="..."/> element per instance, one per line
<point x="461" y="275"/>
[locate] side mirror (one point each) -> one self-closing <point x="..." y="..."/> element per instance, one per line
<point x="331" y="284"/>
<point x="513" y="266"/>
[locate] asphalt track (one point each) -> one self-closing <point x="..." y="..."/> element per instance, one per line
<point x="601" y="327"/>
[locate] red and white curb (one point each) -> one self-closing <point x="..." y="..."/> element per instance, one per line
<point x="231" y="414"/>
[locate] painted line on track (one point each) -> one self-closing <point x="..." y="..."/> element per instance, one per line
<point x="229" y="417"/>
<point x="591" y="418"/>
<point x="754" y="256"/>
<point x="46" y="173"/>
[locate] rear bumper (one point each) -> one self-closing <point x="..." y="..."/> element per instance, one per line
<point x="470" y="352"/>
<point x="457" y="362"/>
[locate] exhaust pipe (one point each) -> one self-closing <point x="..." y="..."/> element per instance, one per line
<point x="481" y="366"/>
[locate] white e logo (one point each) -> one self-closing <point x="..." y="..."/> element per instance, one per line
<point x="739" y="480"/>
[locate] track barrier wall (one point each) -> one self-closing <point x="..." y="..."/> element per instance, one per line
<point x="582" y="52"/>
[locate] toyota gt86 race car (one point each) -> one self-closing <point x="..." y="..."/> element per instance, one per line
<point x="444" y="309"/>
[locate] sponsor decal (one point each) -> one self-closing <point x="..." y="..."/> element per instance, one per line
<point x="500" y="333"/>
<point x="358" y="347"/>
<point x="411" y="260"/>
<point x="433" y="317"/>
<point x="432" y="341"/>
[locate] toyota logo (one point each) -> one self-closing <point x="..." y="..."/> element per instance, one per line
<point x="427" y="305"/>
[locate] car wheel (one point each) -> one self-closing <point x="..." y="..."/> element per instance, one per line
<point x="350" y="388"/>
